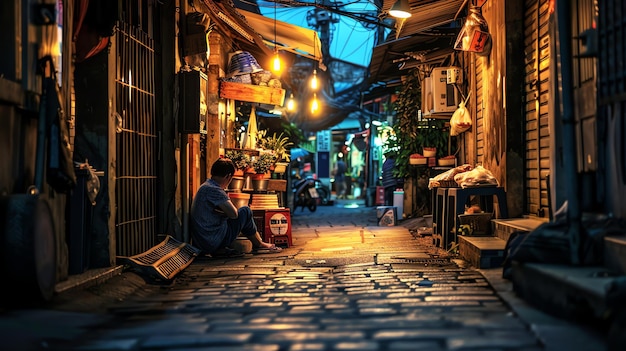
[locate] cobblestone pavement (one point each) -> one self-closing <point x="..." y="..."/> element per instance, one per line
<point x="345" y="284"/>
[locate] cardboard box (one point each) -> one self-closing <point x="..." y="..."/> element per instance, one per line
<point x="386" y="216"/>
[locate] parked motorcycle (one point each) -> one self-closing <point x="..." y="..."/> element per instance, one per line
<point x="305" y="194"/>
<point x="322" y="192"/>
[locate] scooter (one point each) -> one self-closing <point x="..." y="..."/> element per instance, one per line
<point x="305" y="194"/>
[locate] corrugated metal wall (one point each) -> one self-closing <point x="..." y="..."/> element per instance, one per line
<point x="136" y="172"/>
<point x="480" y="113"/>
<point x="612" y="101"/>
<point x="537" y="43"/>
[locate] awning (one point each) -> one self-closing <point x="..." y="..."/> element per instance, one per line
<point x="426" y="14"/>
<point x="226" y="17"/>
<point x="291" y="38"/>
<point x="425" y="36"/>
<point x="347" y="124"/>
<point x="390" y="58"/>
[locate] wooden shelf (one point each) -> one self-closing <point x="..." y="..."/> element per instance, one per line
<point x="252" y="93"/>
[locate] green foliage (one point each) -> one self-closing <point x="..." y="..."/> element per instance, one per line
<point x="263" y="163"/>
<point x="239" y="158"/>
<point x="277" y="144"/>
<point x="411" y="134"/>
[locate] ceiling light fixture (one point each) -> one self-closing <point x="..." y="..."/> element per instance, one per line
<point x="400" y="9"/>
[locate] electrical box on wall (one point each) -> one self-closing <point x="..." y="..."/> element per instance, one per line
<point x="193" y="109"/>
<point x="455" y="75"/>
<point x="439" y="96"/>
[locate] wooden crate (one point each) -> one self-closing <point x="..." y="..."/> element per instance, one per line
<point x="277" y="185"/>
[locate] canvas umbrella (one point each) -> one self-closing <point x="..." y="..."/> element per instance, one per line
<point x="298" y="152"/>
<point x="249" y="139"/>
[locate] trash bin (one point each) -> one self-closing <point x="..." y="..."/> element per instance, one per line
<point x="398" y="202"/>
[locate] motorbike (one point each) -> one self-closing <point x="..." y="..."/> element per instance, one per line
<point x="309" y="192"/>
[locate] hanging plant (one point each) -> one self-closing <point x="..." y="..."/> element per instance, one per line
<point x="412" y="134"/>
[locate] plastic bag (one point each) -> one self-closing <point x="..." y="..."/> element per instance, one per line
<point x="447" y="175"/>
<point x="474" y="35"/>
<point x="461" y="120"/>
<point x="479" y="176"/>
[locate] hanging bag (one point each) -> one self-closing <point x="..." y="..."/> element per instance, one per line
<point x="461" y="120"/>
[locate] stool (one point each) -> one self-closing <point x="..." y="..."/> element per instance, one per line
<point x="455" y="205"/>
<point x="439" y="210"/>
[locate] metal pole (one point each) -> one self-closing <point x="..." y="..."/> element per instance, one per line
<point x="563" y="17"/>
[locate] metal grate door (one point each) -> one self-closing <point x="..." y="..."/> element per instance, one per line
<point x="537" y="41"/>
<point x="136" y="173"/>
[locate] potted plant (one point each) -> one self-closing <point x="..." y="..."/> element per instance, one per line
<point x="240" y="159"/>
<point x="410" y="135"/>
<point x="263" y="163"/>
<point x="277" y="145"/>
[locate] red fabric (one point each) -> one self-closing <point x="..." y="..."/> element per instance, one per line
<point x="87" y="42"/>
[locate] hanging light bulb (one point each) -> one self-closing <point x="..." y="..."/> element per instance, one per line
<point x="291" y="104"/>
<point x="315" y="104"/>
<point x="314" y="81"/>
<point x="276" y="64"/>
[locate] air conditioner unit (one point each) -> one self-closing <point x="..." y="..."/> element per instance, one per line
<point x="439" y="96"/>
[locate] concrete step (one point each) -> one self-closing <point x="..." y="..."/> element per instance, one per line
<point x="482" y="251"/>
<point x="589" y="295"/>
<point x="502" y="228"/>
<point x="615" y="253"/>
<point x="488" y="251"/>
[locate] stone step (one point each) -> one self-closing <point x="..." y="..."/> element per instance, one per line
<point x="615" y="253"/>
<point x="488" y="251"/>
<point x="482" y="251"/>
<point x="570" y="291"/>
<point x="502" y="228"/>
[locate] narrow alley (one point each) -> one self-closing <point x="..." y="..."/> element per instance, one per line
<point x="344" y="284"/>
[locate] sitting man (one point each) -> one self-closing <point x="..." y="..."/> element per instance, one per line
<point x="216" y="222"/>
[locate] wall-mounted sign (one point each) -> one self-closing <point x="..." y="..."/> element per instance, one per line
<point x="323" y="140"/>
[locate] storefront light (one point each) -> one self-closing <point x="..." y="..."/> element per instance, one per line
<point x="291" y="103"/>
<point x="314" y="81"/>
<point x="315" y="104"/>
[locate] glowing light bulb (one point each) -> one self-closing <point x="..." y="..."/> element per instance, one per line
<point x="276" y="64"/>
<point x="314" y="82"/>
<point x="291" y="104"/>
<point x="315" y="104"/>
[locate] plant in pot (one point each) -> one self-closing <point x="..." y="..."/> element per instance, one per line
<point x="240" y="159"/>
<point x="277" y="145"/>
<point x="262" y="165"/>
<point x="410" y="135"/>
